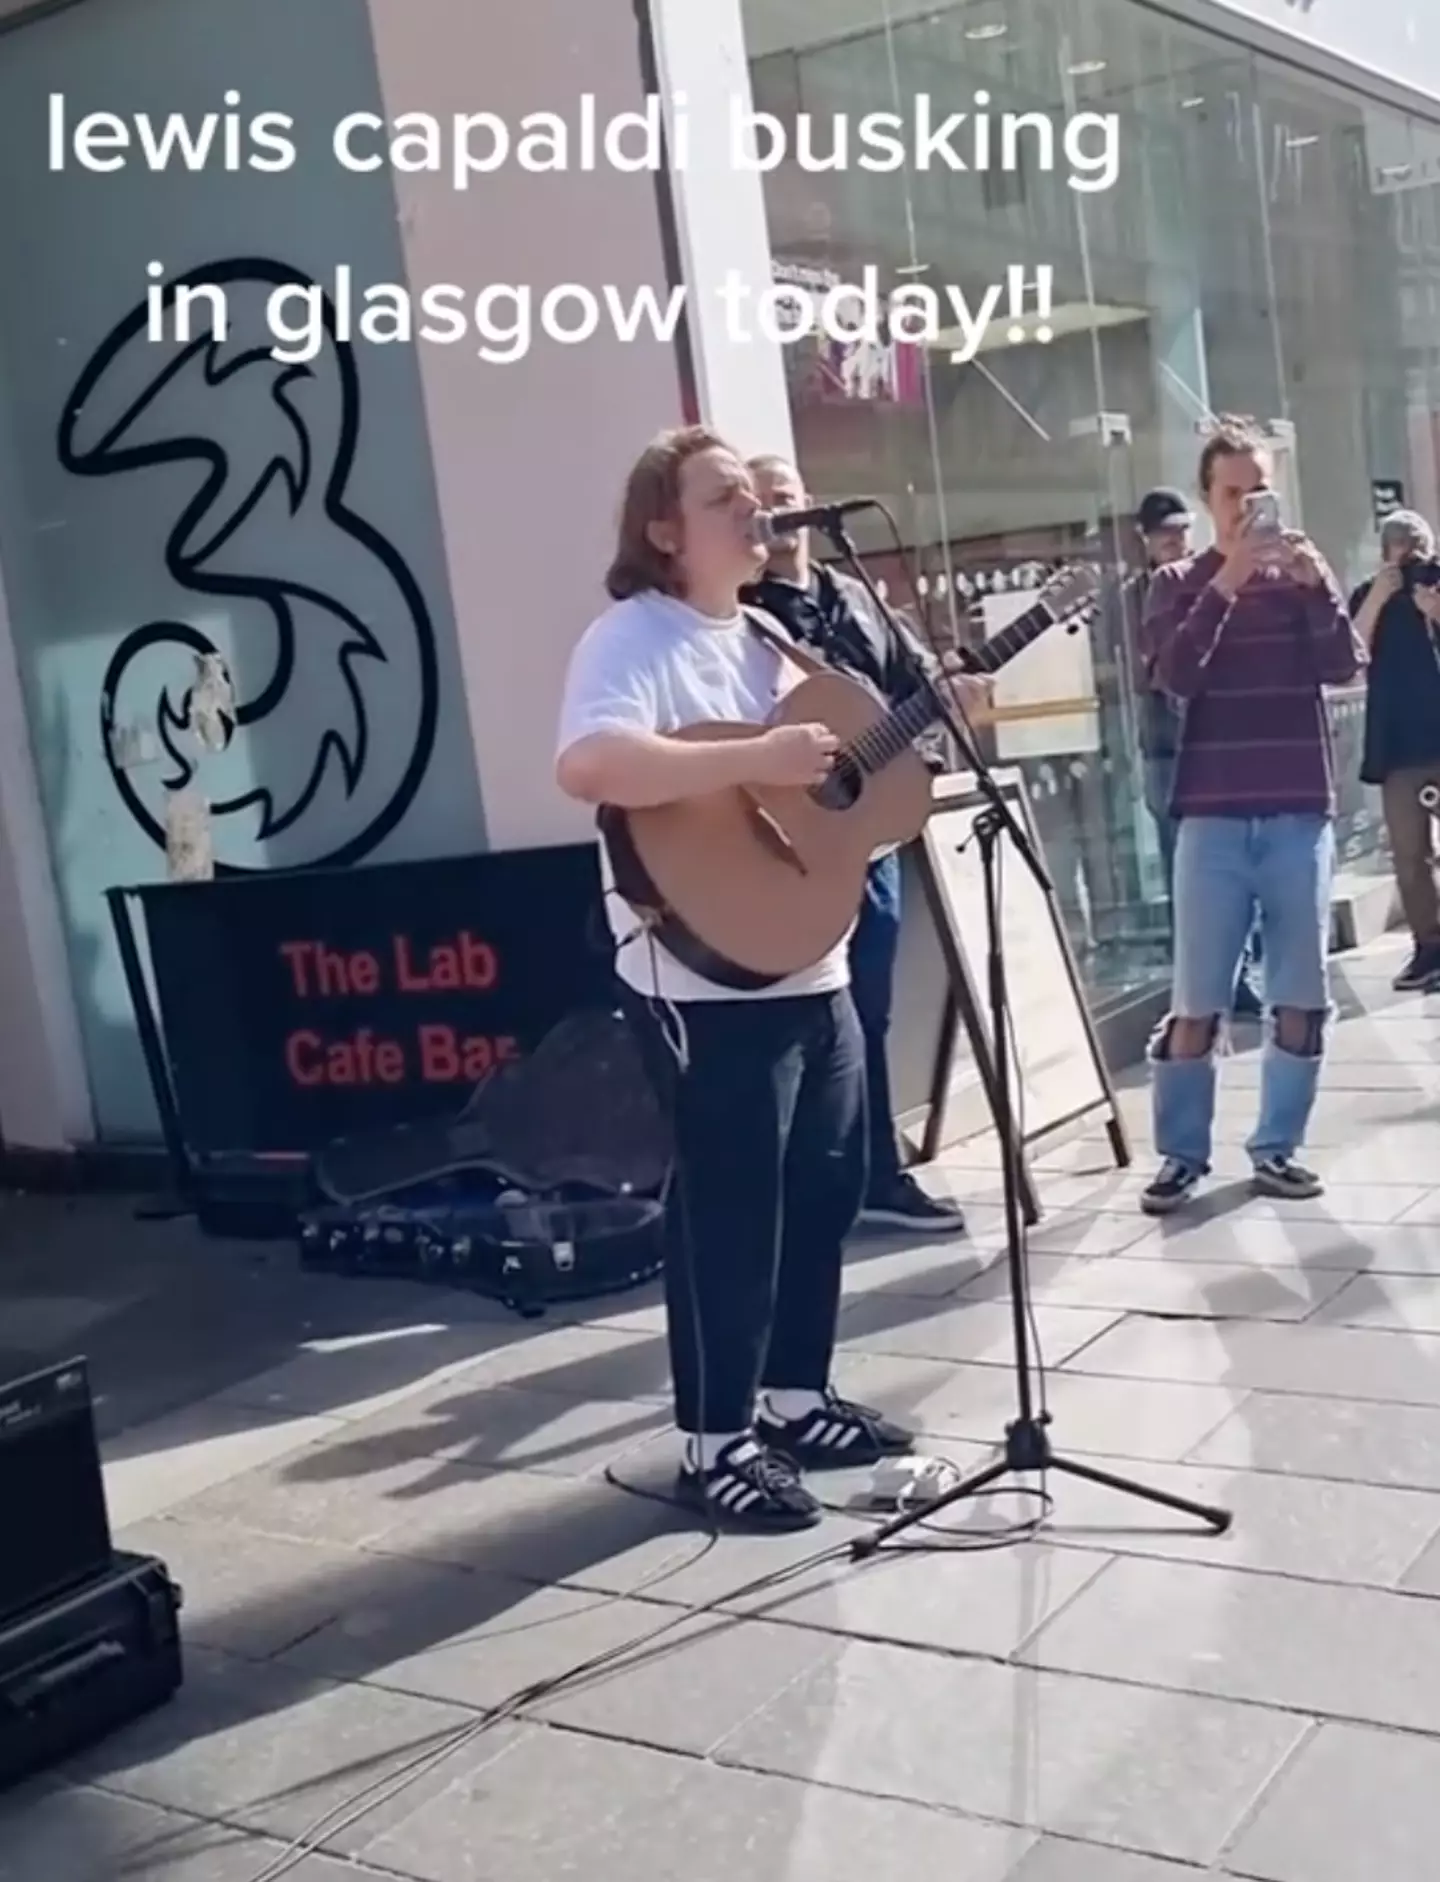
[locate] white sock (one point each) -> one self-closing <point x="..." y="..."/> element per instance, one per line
<point x="702" y="1448"/>
<point x="787" y="1406"/>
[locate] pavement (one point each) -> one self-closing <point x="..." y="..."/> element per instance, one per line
<point x="388" y="1509"/>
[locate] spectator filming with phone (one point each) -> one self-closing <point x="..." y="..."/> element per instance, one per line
<point x="1397" y="615"/>
<point x="1246" y="636"/>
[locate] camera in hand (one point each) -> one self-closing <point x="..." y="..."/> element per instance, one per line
<point x="1420" y="572"/>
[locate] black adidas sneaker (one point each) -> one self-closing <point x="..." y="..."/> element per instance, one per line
<point x="838" y="1435"/>
<point x="749" y="1487"/>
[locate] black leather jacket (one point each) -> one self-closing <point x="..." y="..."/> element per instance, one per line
<point x="836" y="619"/>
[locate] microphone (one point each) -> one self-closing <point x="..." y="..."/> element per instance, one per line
<point x="775" y="525"/>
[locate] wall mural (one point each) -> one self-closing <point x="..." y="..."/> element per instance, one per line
<point x="330" y="645"/>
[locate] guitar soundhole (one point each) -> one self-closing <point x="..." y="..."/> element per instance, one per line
<point x="841" y="790"/>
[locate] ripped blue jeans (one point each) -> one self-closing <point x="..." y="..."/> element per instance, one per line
<point x="1224" y="867"/>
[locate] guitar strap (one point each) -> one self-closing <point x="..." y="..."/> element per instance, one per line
<point x="766" y="628"/>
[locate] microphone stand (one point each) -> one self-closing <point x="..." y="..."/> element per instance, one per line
<point x="1027" y="1449"/>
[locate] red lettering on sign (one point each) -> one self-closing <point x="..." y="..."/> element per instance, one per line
<point x="364" y="974"/>
<point x="362" y="1059"/>
<point x="316" y="969"/>
<point x="447" y="1055"/>
<point x="448" y="966"/>
<point x="304" y="1058"/>
<point x="439" y="1055"/>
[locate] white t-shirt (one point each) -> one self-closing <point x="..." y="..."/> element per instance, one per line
<point x="652" y="664"/>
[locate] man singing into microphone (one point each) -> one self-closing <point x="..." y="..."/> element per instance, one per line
<point x="831" y="614"/>
<point x="766" y="1089"/>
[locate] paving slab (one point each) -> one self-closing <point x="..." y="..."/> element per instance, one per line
<point x="1352" y="1440"/>
<point x="1123" y="1417"/>
<point x="1347" y="1362"/>
<point x="1202" y="1290"/>
<point x="979" y="1331"/>
<point x="661" y="1676"/>
<point x="74" y="1833"/>
<point x="1352" y="1803"/>
<point x="961" y="1596"/>
<point x="1310" y="1244"/>
<point x="426" y="1546"/>
<point x="1054" y="1859"/>
<point x="1310" y="1647"/>
<point x="1166" y="1773"/>
<point x="560" y="1805"/>
<point x="260" y="1748"/>
<point x="466" y="1421"/>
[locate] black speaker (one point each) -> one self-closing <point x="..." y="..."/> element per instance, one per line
<point x="52" y="1491"/>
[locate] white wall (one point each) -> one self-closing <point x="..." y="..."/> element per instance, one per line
<point x="530" y="525"/>
<point x="529" y="458"/>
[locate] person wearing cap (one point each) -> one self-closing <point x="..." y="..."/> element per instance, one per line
<point x="1164" y="522"/>
<point x="1397" y="614"/>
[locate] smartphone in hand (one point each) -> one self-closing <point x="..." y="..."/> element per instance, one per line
<point x="1264" y="527"/>
<point x="1262" y="515"/>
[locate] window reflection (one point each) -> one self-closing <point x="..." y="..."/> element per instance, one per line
<point x="1270" y="248"/>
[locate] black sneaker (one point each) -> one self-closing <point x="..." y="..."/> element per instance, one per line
<point x="1173" y="1183"/>
<point x="749" y="1487"/>
<point x="905" y="1205"/>
<point x="1421" y="973"/>
<point x="1282" y="1176"/>
<point x="839" y="1436"/>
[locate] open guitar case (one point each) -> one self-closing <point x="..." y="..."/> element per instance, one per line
<point x="548" y="1186"/>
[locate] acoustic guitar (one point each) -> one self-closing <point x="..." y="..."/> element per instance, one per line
<point x="749" y="886"/>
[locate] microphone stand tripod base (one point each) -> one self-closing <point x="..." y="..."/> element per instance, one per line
<point x="1028" y="1452"/>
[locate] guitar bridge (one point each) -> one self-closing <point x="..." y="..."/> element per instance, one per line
<point x="772" y="837"/>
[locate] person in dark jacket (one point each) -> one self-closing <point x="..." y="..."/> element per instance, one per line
<point x="831" y="613"/>
<point x="1397" y="615"/>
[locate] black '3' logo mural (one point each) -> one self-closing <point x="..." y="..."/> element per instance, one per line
<point x="331" y="645"/>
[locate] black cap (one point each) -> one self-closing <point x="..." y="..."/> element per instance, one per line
<point x="1163" y="509"/>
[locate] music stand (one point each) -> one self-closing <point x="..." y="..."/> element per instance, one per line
<point x="1027" y="1449"/>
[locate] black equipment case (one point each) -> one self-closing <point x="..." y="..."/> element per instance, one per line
<point x="77" y="1667"/>
<point x="528" y="1255"/>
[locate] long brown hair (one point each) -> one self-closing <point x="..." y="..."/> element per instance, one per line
<point x="652" y="495"/>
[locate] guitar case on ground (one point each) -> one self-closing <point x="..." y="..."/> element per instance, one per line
<point x="548" y="1186"/>
<point x="580" y="1111"/>
<point x="526" y="1254"/>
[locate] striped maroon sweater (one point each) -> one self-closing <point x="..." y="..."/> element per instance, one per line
<point x="1248" y="674"/>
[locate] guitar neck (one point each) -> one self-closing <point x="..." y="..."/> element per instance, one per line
<point x="905" y="723"/>
<point x="1010" y="641"/>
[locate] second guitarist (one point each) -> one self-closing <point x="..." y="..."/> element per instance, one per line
<point x="831" y="613"/>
